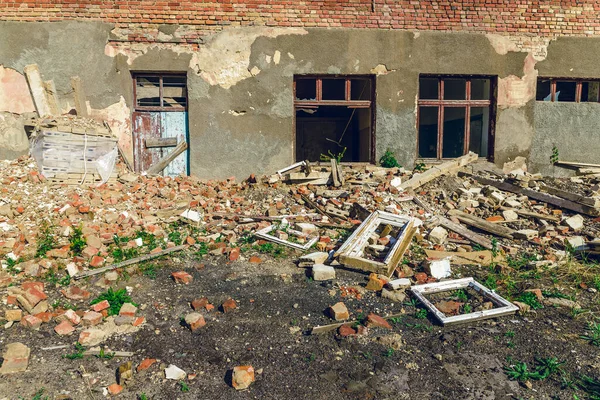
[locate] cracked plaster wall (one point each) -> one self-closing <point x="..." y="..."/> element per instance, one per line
<point x="241" y="114"/>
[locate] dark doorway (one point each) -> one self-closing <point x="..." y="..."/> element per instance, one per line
<point x="334" y="118"/>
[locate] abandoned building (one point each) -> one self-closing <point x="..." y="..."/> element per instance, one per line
<point x="253" y="86"/>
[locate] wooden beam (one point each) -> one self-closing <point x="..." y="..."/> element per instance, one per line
<point x="482" y="224"/>
<point x="166" y="160"/>
<point x="334" y="173"/>
<point x="136" y="260"/>
<point x="79" y="95"/>
<point x="436" y="171"/>
<point x="36" y="87"/>
<point x="161" y="142"/>
<point x="585" y="200"/>
<point x="577" y="164"/>
<point x="545" y="197"/>
<point x="52" y="97"/>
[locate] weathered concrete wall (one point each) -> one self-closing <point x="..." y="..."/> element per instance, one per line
<point x="240" y="81"/>
<point x="571" y="127"/>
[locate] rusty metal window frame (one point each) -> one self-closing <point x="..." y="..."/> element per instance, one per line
<point x="578" y="83"/>
<point x="348" y="102"/>
<point x="467" y="103"/>
<point x="160" y="76"/>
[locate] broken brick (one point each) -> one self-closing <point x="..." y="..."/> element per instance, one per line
<point x="229" y="305"/>
<point x="103" y="305"/>
<point x="145" y="364"/>
<point x="64" y="328"/>
<point x="182" y="277"/>
<point x="376" y="320"/>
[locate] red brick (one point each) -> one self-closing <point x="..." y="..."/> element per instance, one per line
<point x="145" y="364"/>
<point x="103" y="305"/>
<point x="182" y="277"/>
<point x="96" y="261"/>
<point x="229" y="305"/>
<point x="64" y="328"/>
<point x="376" y="320"/>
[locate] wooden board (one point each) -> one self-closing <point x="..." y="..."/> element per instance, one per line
<point x="436" y="171"/>
<point x="163" y="162"/>
<point x="36" y="87"/>
<point x="161" y="142"/>
<point x="79" y="97"/>
<point x="482" y="224"/>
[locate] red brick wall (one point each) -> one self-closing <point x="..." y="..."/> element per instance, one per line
<point x="510" y="17"/>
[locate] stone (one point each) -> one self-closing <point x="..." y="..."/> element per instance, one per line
<point x="182" y="277"/>
<point x="115" y="389"/>
<point x="229" y="305"/>
<point x="91" y="337"/>
<point x="31" y="322"/>
<point x="13" y="315"/>
<point x="346" y="330"/>
<point x="127" y="310"/>
<point x="64" y="328"/>
<point x="195" y="321"/>
<point x="255" y="260"/>
<point x="526" y="234"/>
<point x="402" y="283"/>
<point x="41" y="307"/>
<point x="125" y="372"/>
<point x="339" y="312"/>
<point x="575" y="222"/>
<point x="103" y="305"/>
<point x="145" y="364"/>
<point x="555" y="301"/>
<point x="575" y="241"/>
<point x="397" y="296"/>
<point x="376" y="320"/>
<point x="91" y="318"/>
<point x="16" y="358"/>
<point x="120" y="320"/>
<point x="306" y="228"/>
<point x="450" y="307"/>
<point x="510" y="215"/>
<point x="375" y="283"/>
<point x="94" y="241"/>
<point x="438" y="235"/>
<point x="322" y="272"/>
<point x="24" y="303"/>
<point x="439" y="269"/>
<point x="517" y="166"/>
<point x="174" y="372"/>
<point x="242" y="377"/>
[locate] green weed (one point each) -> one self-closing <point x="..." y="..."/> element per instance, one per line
<point x="115" y="298"/>
<point x="184" y="387"/>
<point x="77" y="354"/>
<point x="388" y="160"/>
<point x="389" y="352"/>
<point x="531" y="300"/>
<point x="461" y="295"/>
<point x="45" y="240"/>
<point x="103" y="355"/>
<point x="421" y="313"/>
<point x="467" y="309"/>
<point x="592" y="334"/>
<point x="76" y="241"/>
<point x="545" y="367"/>
<point x="149" y="270"/>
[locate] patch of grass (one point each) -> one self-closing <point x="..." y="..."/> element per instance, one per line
<point x="388" y="160"/>
<point x="103" y="355"/>
<point x="175" y="237"/>
<point x="421" y="327"/>
<point x="148" y="239"/>
<point x="590" y="385"/>
<point x="421" y="313"/>
<point x="596" y="282"/>
<point x="45" y="240"/>
<point x="509" y="334"/>
<point x="120" y="254"/>
<point x="311" y="357"/>
<point x="491" y="282"/>
<point x="467" y="309"/>
<point x="10" y="264"/>
<point x="77" y="242"/>
<point x="184" y="387"/>
<point x="592" y="334"/>
<point x="149" y="270"/>
<point x="557" y="294"/>
<point x="544" y="368"/>
<point x="531" y="300"/>
<point x="272" y="249"/>
<point x="77" y="354"/>
<point x="461" y="295"/>
<point x="246" y="239"/>
<point x="495" y="249"/>
<point x="53" y="278"/>
<point x="520" y="261"/>
<point x="142" y="396"/>
<point x="115" y="298"/>
<point x="201" y="250"/>
<point x="395" y="320"/>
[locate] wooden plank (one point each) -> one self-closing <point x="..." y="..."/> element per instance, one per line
<point x="545" y="197"/>
<point x="436" y="171"/>
<point x="79" y="96"/>
<point x="52" y="97"/>
<point x="577" y="164"/>
<point x="525" y="213"/>
<point x="482" y="224"/>
<point x="130" y="262"/>
<point x="588" y="201"/>
<point x="163" y="162"/>
<point x="36" y="87"/>
<point x="334" y="173"/>
<point x="161" y="142"/>
<point x="483" y="257"/>
<point x="174" y="125"/>
<point x="589" y="171"/>
<point x="332" y="327"/>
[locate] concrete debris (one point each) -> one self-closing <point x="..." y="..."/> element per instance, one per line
<point x="438" y="235"/>
<point x="175" y="373"/>
<point x="438" y="269"/>
<point x="322" y="272"/>
<point x="16" y="358"/>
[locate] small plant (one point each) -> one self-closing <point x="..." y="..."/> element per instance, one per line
<point x="419" y="167"/>
<point x="411" y="303"/>
<point x="509" y="334"/>
<point x="311" y="357"/>
<point x="149" y="270"/>
<point x="421" y="313"/>
<point x="76" y="241"/>
<point x="270" y="248"/>
<point x="65" y="305"/>
<point x="467" y="309"/>
<point x="592" y="333"/>
<point x="590" y="385"/>
<point x="531" y="300"/>
<point x="142" y="396"/>
<point x="45" y="240"/>
<point x="388" y="160"/>
<point x="395" y="320"/>
<point x="10" y="264"/>
<point x="107" y="356"/>
<point x="461" y="295"/>
<point x="175" y="237"/>
<point x="389" y="352"/>
<point x="329" y="156"/>
<point x="184" y="387"/>
<point x="495" y="249"/>
<point x="554" y="156"/>
<point x="545" y="367"/>
<point x="148" y="239"/>
<point x="77" y="354"/>
<point x="575" y="312"/>
<point x="115" y="298"/>
<point x="518" y="372"/>
<point x="491" y="282"/>
<point x="510" y="344"/>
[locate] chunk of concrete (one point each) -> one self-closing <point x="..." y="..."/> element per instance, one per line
<point x="510" y="215"/>
<point x="16" y="358"/>
<point x="438" y="235"/>
<point x="575" y="222"/>
<point x="526" y="234"/>
<point x="397" y="284"/>
<point x="439" y="269"/>
<point x="322" y="272"/>
<point x="174" y="372"/>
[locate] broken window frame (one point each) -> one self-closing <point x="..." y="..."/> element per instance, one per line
<point x="264" y="234"/>
<point x="504" y="307"/>
<point x="348" y="102"/>
<point x="467" y="103"/>
<point x="350" y="254"/>
<point x="160" y="76"/>
<point x="578" y="83"/>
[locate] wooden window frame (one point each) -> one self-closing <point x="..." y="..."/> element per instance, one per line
<point x="160" y="76"/>
<point x="348" y="102"/>
<point x="578" y="82"/>
<point x="467" y="103"/>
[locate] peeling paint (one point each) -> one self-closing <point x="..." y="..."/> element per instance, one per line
<point x="118" y="117"/>
<point x="381" y="69"/>
<point x="276" y="57"/>
<point x="14" y="92"/>
<point x="536" y="46"/>
<point x="514" y="91"/>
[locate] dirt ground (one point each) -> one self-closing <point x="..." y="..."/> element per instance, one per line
<point x="278" y="304"/>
